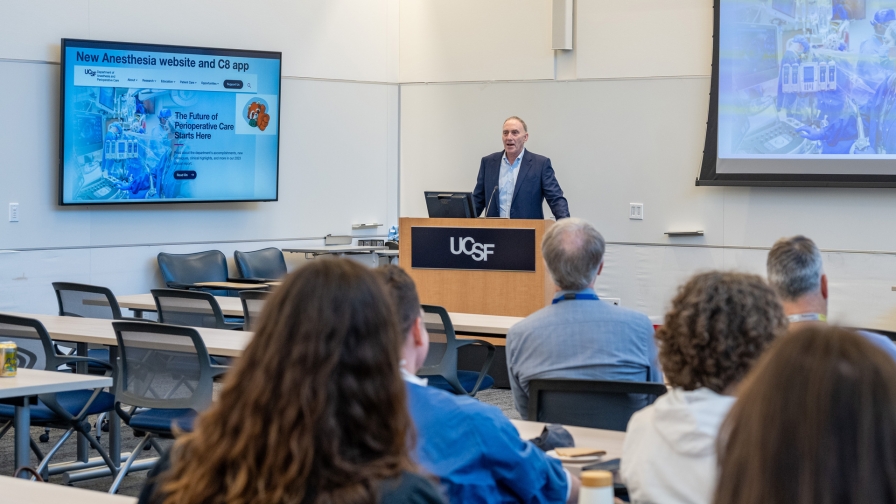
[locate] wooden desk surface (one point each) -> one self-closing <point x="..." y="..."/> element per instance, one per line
<point x="48" y="493"/>
<point x="463" y="322"/>
<point x="607" y="440"/>
<point x="233" y="285"/>
<point x="100" y="332"/>
<point x="335" y="249"/>
<point x="31" y="382"/>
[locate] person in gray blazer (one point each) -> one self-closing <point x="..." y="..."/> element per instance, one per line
<point x="578" y="336"/>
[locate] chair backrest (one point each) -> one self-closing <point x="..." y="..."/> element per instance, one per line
<point x="162" y="366"/>
<point x="253" y="302"/>
<point x="600" y="404"/>
<point x="442" y="354"/>
<point x="209" y="266"/>
<point x="265" y="263"/>
<point x="188" y="308"/>
<point x="82" y="300"/>
<point x="35" y="347"/>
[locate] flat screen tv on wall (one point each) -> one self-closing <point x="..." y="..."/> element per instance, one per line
<point x="146" y="123"/>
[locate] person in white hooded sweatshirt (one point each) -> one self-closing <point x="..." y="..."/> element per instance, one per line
<point x="719" y="324"/>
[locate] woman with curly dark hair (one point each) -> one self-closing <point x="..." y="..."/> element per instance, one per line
<point x="815" y="424"/>
<point x="718" y="326"/>
<point x="314" y="411"/>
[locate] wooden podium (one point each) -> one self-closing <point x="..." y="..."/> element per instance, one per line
<point x="477" y="265"/>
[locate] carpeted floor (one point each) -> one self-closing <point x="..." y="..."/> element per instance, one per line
<point x="134" y="482"/>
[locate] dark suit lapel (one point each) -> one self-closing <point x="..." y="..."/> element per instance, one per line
<point x="524" y="170"/>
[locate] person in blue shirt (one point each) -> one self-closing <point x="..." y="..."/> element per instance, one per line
<point x="472" y="447"/>
<point x="796" y="272"/>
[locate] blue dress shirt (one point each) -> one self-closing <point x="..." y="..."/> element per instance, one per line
<point x="580" y="339"/>
<point x="478" y="454"/>
<point x="507" y="181"/>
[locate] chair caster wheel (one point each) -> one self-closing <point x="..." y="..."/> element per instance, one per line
<point x="147" y="446"/>
<point x="44" y="438"/>
<point x="105" y="426"/>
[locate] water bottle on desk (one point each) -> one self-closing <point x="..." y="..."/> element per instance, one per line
<point x="597" y="487"/>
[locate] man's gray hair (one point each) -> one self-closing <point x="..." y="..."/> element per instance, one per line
<point x="573" y="251"/>
<point x="794" y="267"/>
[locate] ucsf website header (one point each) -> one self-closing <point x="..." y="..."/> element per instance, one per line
<point x="105" y="76"/>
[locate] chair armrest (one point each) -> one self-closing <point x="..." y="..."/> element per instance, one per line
<point x="71" y="359"/>
<point x="247" y="280"/>
<point x="477" y="342"/>
<point x="219" y="370"/>
<point x="182" y="286"/>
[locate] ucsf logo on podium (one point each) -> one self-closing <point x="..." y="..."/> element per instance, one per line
<point x="473" y="248"/>
<point x="477" y="252"/>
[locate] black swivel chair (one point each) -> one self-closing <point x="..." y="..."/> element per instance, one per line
<point x="599" y="404"/>
<point x="265" y="264"/>
<point x="165" y="378"/>
<point x="889" y="334"/>
<point x="184" y="271"/>
<point x="440" y="367"/>
<point x="253" y="302"/>
<point x="192" y="308"/>
<point x="89" y="301"/>
<point x="63" y="410"/>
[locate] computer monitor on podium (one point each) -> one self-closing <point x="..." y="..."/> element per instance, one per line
<point x="450" y="204"/>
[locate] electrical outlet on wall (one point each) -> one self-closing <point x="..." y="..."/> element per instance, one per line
<point x="636" y="211"/>
<point x="13" y="212"/>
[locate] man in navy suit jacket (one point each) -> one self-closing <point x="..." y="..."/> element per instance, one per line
<point x="516" y="180"/>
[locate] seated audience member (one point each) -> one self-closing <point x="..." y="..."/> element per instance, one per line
<point x="315" y="410"/>
<point x="718" y="326"/>
<point x="796" y="272"/>
<point x="472" y="447"/>
<point x="578" y="336"/>
<point x="815" y="422"/>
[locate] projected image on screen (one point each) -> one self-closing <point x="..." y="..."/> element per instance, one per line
<point x="807" y="79"/>
<point x="161" y="124"/>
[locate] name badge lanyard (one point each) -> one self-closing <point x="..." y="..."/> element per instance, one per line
<point x="806" y="317"/>
<point x="581" y="296"/>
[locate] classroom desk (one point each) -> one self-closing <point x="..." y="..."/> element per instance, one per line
<point x="22" y="391"/>
<point x="232" y="285"/>
<point x="100" y="332"/>
<point x="464" y="323"/>
<point x="32" y="492"/>
<point x="339" y="250"/>
<point x="607" y="440"/>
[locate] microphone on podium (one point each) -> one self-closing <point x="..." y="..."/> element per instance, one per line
<point x="490" y="202"/>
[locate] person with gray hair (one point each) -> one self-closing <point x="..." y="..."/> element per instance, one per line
<point x="578" y="336"/>
<point x="796" y="273"/>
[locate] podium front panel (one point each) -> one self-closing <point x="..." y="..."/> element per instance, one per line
<point x="464" y="248"/>
<point x="487" y="266"/>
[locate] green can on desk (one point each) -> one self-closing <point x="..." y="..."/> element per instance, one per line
<point x="8" y="358"/>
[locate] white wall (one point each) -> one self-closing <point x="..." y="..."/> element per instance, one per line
<point x="628" y="126"/>
<point x="338" y="141"/>
<point x="473" y="40"/>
